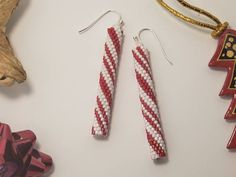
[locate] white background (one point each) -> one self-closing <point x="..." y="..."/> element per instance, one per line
<point x="58" y="99"/>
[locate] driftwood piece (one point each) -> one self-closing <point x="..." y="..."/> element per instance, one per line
<point x="11" y="69"/>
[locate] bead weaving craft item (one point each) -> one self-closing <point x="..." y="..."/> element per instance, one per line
<point x="107" y="79"/>
<point x="224" y="57"/>
<point x="18" y="158"/>
<point x="11" y="69"/>
<point x="148" y="99"/>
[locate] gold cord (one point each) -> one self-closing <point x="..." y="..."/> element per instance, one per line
<point x="218" y="29"/>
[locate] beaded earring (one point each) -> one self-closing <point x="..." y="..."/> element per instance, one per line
<point x="148" y="99"/>
<point x="107" y="79"/>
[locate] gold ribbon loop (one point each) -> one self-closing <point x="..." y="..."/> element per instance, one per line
<point x="218" y="29"/>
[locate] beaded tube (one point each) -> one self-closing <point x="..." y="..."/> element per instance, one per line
<point x="148" y="101"/>
<point x="107" y="81"/>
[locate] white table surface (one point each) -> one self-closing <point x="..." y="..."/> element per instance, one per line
<point x="58" y="99"/>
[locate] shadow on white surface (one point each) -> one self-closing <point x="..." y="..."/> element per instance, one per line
<point x="99" y="138"/>
<point x="17" y="15"/>
<point x="161" y="161"/>
<point x="232" y="150"/>
<point x="16" y="90"/>
<point x="51" y="171"/>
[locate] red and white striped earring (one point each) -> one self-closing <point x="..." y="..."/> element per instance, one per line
<point x="147" y="96"/>
<point x="107" y="79"/>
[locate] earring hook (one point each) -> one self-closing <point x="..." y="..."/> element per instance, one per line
<point x="138" y="39"/>
<point x="99" y="18"/>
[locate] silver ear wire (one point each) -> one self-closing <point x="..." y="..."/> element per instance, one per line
<point x="138" y="39"/>
<point x="99" y="18"/>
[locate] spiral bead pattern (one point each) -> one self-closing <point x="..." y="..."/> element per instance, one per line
<point x="148" y="101"/>
<point x="107" y="81"/>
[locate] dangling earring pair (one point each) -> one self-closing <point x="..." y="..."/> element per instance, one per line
<point x="147" y="94"/>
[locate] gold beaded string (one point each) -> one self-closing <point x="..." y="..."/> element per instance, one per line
<point x="218" y="28"/>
